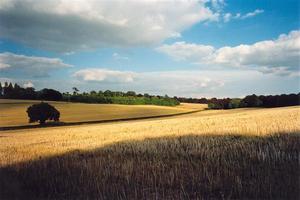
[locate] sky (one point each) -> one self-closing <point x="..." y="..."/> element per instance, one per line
<point x="201" y="48"/>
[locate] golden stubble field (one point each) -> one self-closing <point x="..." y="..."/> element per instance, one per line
<point x="13" y="112"/>
<point x="29" y="144"/>
<point x="241" y="153"/>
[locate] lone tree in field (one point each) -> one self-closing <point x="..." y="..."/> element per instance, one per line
<point x="42" y="112"/>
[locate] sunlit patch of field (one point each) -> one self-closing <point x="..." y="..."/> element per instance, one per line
<point x="242" y="153"/>
<point x="13" y="112"/>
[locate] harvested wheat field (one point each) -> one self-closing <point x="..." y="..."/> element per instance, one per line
<point x="242" y="153"/>
<point x="13" y="112"/>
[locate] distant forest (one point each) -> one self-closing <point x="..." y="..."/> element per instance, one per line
<point x="14" y="91"/>
<point x="267" y="101"/>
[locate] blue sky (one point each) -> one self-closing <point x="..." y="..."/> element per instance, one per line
<point x="217" y="48"/>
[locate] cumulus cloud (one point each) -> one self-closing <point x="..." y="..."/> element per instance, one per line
<point x="228" y="16"/>
<point x="67" y="26"/>
<point x="117" y="56"/>
<point x="163" y="82"/>
<point x="28" y="84"/>
<point x="5" y="79"/>
<point x="31" y="66"/>
<point x="251" y="14"/>
<point x="105" y="75"/>
<point x="24" y="83"/>
<point x="280" y="56"/>
<point x="218" y="4"/>
<point x="187" y="51"/>
<point x="181" y="82"/>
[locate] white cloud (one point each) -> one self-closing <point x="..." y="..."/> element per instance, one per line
<point x="280" y="56"/>
<point x="187" y="51"/>
<point x="228" y="16"/>
<point x="184" y="83"/>
<point x="117" y="56"/>
<point x="252" y="14"/>
<point x="163" y="82"/>
<point x="5" y="79"/>
<point x="69" y="53"/>
<point x="218" y="4"/>
<point x="105" y="75"/>
<point x="196" y="83"/>
<point x="29" y="65"/>
<point x="66" y="26"/>
<point x="28" y="84"/>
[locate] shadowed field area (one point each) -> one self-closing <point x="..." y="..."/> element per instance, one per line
<point x="187" y="167"/>
<point x="13" y="112"/>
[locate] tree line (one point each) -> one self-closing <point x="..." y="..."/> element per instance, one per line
<point x="267" y="101"/>
<point x="118" y="97"/>
<point x="14" y="91"/>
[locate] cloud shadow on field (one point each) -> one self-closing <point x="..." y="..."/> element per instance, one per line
<point x="186" y="167"/>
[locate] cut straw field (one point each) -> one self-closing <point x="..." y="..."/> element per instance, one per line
<point x="242" y="153"/>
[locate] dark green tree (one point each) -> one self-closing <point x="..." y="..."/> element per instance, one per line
<point x="42" y="112"/>
<point x="75" y="90"/>
<point x="252" y="101"/>
<point x="1" y="90"/>
<point x="50" y="94"/>
<point x="107" y="93"/>
<point x="131" y="94"/>
<point x="93" y="92"/>
<point x="146" y="95"/>
<point x="8" y="90"/>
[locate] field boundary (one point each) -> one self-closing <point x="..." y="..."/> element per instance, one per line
<point x="59" y="124"/>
